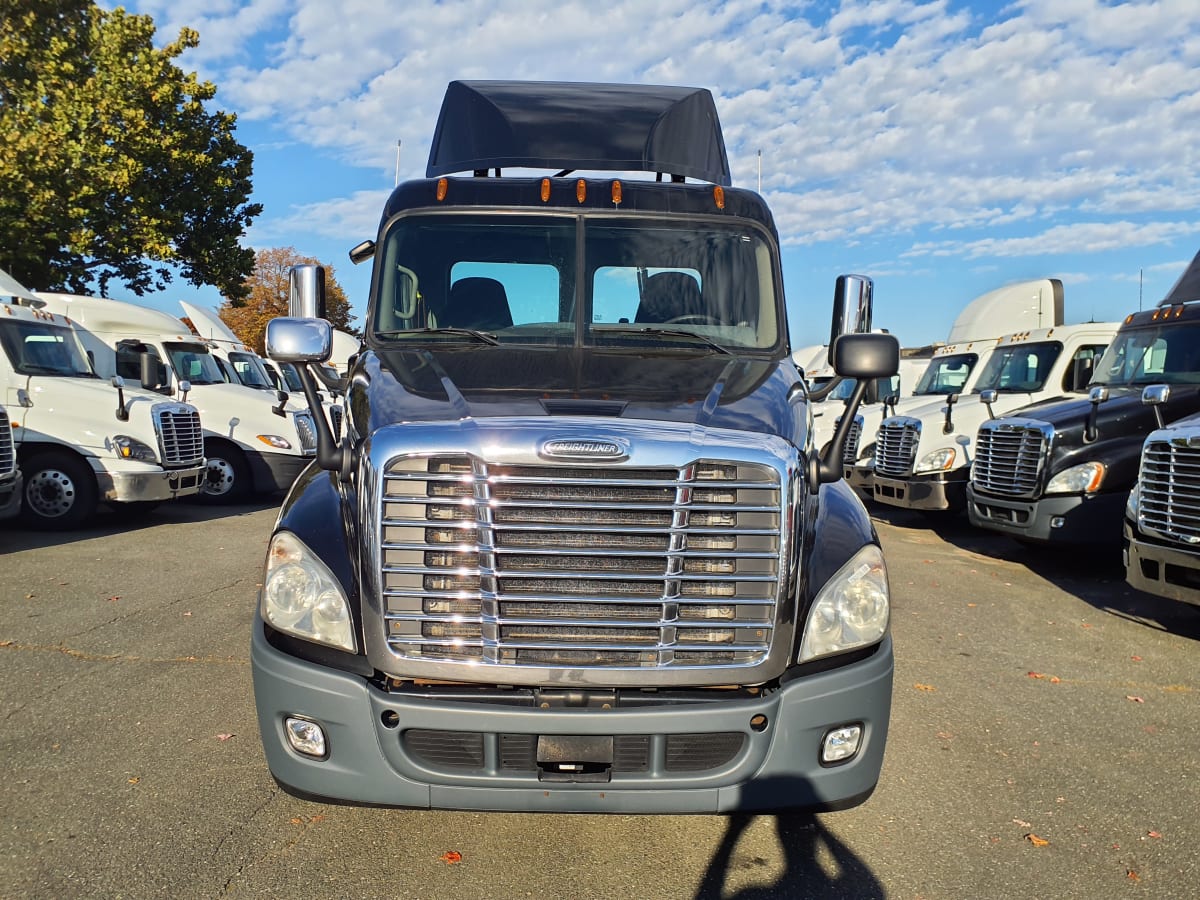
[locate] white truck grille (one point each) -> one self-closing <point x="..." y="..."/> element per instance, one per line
<point x="551" y="565"/>
<point x="8" y="457"/>
<point x="180" y="436"/>
<point x="895" y="445"/>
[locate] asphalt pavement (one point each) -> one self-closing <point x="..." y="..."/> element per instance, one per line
<point x="1043" y="744"/>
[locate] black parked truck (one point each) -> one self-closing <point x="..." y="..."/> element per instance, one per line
<point x="1060" y="472"/>
<point x="574" y="549"/>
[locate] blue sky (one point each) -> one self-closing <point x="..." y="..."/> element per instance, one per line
<point x="942" y="148"/>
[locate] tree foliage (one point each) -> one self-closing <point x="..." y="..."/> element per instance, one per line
<point x="111" y="166"/>
<point x="266" y="297"/>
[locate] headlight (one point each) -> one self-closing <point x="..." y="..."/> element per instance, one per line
<point x="301" y="596"/>
<point x="131" y="448"/>
<point x="277" y="441"/>
<point x="1085" y="478"/>
<point x="937" y="461"/>
<point x="851" y="610"/>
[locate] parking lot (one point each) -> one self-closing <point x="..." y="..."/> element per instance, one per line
<point x="1043" y="739"/>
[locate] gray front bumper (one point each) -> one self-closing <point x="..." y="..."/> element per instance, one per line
<point x="776" y="768"/>
<point x="161" y="484"/>
<point x="934" y="492"/>
<point x="1169" y="572"/>
<point x="1056" y="519"/>
<point x="10" y="496"/>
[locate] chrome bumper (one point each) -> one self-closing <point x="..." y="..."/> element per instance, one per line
<point x="160" y="484"/>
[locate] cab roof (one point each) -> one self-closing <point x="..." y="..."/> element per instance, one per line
<point x="576" y="125"/>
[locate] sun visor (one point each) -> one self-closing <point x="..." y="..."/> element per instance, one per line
<point x="578" y="126"/>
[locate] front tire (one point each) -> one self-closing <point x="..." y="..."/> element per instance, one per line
<point x="226" y="476"/>
<point x="60" y="491"/>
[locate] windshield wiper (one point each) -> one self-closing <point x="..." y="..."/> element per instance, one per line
<point x="673" y="332"/>
<point x="469" y="332"/>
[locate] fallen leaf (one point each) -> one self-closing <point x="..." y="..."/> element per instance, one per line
<point x="1153" y="834"/>
<point x="1036" y="841"/>
<point x="1022" y="823"/>
<point x="925" y="687"/>
<point x="450" y="857"/>
<point x="1086" y="625"/>
<point x="134" y="780"/>
<point x="1134" y="699"/>
<point x="297" y="821"/>
<point x="1035" y="674"/>
<point x="29" y="596"/>
<point x="1132" y="875"/>
<point x="1136" y="658"/>
<point x="187" y="615"/>
<point x="224" y="737"/>
<point x="972" y="605"/>
<point x="1054" y="679"/>
<point x="112" y="599"/>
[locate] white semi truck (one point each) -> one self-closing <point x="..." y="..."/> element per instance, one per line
<point x="76" y="439"/>
<point x="252" y="442"/>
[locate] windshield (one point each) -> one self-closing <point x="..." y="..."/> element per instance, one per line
<point x="629" y="283"/>
<point x="290" y="377"/>
<point x="193" y="362"/>
<point x="249" y="370"/>
<point x="947" y="374"/>
<point x="884" y="388"/>
<point x="1162" y="354"/>
<point x="43" y="348"/>
<point x="1018" y="368"/>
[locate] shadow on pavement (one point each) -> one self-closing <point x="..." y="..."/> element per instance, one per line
<point x="804" y="841"/>
<point x="1095" y="573"/>
<point x="15" y="536"/>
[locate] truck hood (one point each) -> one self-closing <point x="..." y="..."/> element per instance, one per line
<point x="82" y="412"/>
<point x="710" y="390"/>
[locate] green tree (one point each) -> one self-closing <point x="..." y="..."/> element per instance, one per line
<point x="111" y="167"/>
<point x="266" y="296"/>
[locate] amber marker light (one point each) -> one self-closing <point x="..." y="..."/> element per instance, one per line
<point x="719" y="196"/>
<point x="443" y="185"/>
<point x="616" y="193"/>
<point x="581" y="190"/>
<point x="545" y="190"/>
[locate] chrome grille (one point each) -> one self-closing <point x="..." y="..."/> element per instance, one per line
<point x="180" y="437"/>
<point x="307" y="433"/>
<point x="593" y="567"/>
<point x="1169" y="491"/>
<point x="896" y="445"/>
<point x="853" y="438"/>
<point x="8" y="457"/>
<point x="1009" y="457"/>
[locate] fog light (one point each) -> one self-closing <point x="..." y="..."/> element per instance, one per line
<point x="1057" y="522"/>
<point x="841" y="744"/>
<point x="308" y="738"/>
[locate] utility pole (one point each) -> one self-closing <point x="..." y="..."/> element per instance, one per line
<point x="1139" y="290"/>
<point x="397" y="184"/>
<point x="760" y="171"/>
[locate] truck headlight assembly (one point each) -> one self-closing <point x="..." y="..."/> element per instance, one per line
<point x="1084" y="478"/>
<point x="131" y="448"/>
<point x="937" y="461"/>
<point x="300" y="596"/>
<point x="1131" y="505"/>
<point x="852" y="608"/>
<point x="275" y="440"/>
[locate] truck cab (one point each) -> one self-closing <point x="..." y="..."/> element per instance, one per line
<point x="922" y="458"/>
<point x="1060" y="472"/>
<point x="575" y="549"/>
<point x="253" y="442"/>
<point x="80" y="440"/>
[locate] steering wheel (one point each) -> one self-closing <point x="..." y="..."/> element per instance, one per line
<point x="693" y="319"/>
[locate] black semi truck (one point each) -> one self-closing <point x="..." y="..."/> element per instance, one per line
<point x="574" y="548"/>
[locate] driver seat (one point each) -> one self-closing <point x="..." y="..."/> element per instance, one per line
<point x="667" y="296"/>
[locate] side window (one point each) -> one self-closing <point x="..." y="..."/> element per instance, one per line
<point x="493" y="295"/>
<point x="129" y="365"/>
<point x="619" y="294"/>
<point x="1083" y="364"/>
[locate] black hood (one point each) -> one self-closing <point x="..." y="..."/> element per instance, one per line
<point x="709" y="390"/>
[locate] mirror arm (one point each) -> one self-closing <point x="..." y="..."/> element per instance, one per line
<point x="282" y="397"/>
<point x="826" y="468"/>
<point x="948" y="427"/>
<point x="818" y="394"/>
<point x="330" y="455"/>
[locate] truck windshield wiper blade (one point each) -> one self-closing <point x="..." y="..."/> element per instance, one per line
<point x="673" y="332"/>
<point x="470" y="332"/>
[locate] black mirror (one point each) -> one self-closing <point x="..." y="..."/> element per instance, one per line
<point x="864" y="356"/>
<point x="148" y="371"/>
